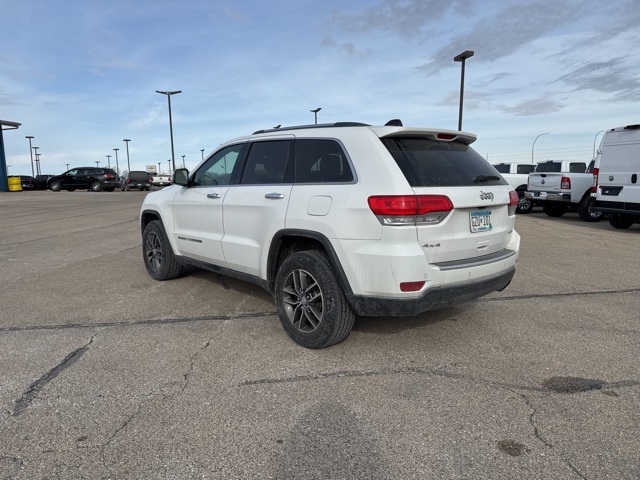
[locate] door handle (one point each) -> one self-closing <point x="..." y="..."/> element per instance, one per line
<point x="634" y="178"/>
<point x="213" y="195"/>
<point x="274" y="196"/>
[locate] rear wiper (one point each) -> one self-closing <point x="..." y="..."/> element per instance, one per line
<point x="485" y="178"/>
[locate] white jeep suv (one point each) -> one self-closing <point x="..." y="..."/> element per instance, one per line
<point x="340" y="219"/>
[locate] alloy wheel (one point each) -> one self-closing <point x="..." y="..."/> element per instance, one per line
<point x="303" y="300"/>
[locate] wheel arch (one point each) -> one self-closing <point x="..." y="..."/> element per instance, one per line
<point x="148" y="216"/>
<point x="288" y="241"/>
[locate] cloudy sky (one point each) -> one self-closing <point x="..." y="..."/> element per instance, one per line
<point x="80" y="76"/>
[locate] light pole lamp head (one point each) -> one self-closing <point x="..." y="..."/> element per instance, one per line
<point x="173" y="92"/>
<point x="126" y="140"/>
<point x="463" y="56"/>
<point x="316" y="110"/>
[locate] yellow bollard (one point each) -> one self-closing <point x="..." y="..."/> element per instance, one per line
<point x="15" y="185"/>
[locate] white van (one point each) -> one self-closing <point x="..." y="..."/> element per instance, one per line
<point x="616" y="186"/>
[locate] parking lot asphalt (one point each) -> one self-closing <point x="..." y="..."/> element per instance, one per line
<point x="107" y="373"/>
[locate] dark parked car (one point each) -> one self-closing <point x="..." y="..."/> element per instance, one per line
<point x="136" y="179"/>
<point x="28" y="182"/>
<point x="91" y="178"/>
<point x="42" y="180"/>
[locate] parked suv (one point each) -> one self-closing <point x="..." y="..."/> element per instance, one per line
<point x="135" y="179"/>
<point x="338" y="220"/>
<point x="92" y="178"/>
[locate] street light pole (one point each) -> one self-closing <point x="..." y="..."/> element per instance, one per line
<point x="202" y="151"/>
<point x="594" y="143"/>
<point x="461" y="58"/>
<point x="315" y="114"/>
<point x="168" y="94"/>
<point x="127" y="140"/>
<point x="170" y="161"/>
<point x="117" y="167"/>
<point x="109" y="161"/>
<point x="36" y="150"/>
<point x="31" y="153"/>
<point x="38" y="163"/>
<point x="183" y="165"/>
<point x="534" y="144"/>
<point x="97" y="163"/>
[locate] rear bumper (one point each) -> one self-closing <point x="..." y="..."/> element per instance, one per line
<point x="548" y="196"/>
<point x="433" y="299"/>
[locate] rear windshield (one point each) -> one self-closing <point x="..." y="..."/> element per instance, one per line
<point x="525" y="169"/>
<point x="502" y="167"/>
<point x="430" y="163"/>
<point x="548" y="167"/>
<point x="141" y="175"/>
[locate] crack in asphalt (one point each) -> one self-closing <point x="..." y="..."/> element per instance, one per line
<point x="623" y="291"/>
<point x="538" y="436"/>
<point x="437" y="372"/>
<point x="147" y="321"/>
<point x="117" y="431"/>
<point x="192" y="362"/>
<point x="234" y="316"/>
<point x="34" y="389"/>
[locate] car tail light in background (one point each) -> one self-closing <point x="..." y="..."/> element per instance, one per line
<point x="410" y="209"/>
<point x="565" y="183"/>
<point x="594" y="189"/>
<point x="108" y="175"/>
<point x="514" y="199"/>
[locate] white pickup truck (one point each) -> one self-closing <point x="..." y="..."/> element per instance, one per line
<point x="517" y="174"/>
<point x="561" y="186"/>
<point x="160" y="179"/>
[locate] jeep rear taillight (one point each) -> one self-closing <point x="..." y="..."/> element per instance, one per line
<point x="514" y="199"/>
<point x="594" y="189"/>
<point x="565" y="183"/>
<point x="108" y="175"/>
<point x="410" y="209"/>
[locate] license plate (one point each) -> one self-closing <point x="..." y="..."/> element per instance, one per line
<point x="480" y="221"/>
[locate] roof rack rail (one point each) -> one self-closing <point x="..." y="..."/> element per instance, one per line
<point x="322" y="125"/>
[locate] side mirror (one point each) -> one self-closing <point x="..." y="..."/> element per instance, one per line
<point x="181" y="177"/>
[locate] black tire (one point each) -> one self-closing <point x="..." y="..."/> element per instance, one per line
<point x="585" y="212"/>
<point x="554" y="209"/>
<point x="311" y="304"/>
<point x="55" y="186"/>
<point x="159" y="259"/>
<point x="620" y="220"/>
<point x="525" y="205"/>
<point x="96" y="186"/>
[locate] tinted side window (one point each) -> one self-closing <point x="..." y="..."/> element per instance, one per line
<point x="266" y="162"/>
<point x="218" y="168"/>
<point x="578" y="167"/>
<point x="321" y="161"/>
<point x="502" y="168"/>
<point x="431" y="163"/>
